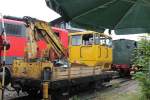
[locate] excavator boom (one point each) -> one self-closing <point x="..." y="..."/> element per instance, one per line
<point x="43" y="28"/>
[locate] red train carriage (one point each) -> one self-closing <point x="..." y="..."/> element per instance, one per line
<point x="17" y="38"/>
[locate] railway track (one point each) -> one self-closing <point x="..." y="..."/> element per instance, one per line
<point x="89" y="93"/>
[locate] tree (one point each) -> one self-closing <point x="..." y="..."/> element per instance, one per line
<point x="142" y="60"/>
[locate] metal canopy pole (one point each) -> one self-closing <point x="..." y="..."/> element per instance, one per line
<point x="4" y="56"/>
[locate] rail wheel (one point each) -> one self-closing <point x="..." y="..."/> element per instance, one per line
<point x="7" y="76"/>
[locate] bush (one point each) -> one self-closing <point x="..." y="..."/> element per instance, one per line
<point x="142" y="59"/>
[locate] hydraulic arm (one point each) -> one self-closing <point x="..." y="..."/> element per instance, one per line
<point x="41" y="28"/>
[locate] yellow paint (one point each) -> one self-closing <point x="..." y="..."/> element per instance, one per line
<point x="45" y="90"/>
<point x="31" y="70"/>
<point x="90" y="55"/>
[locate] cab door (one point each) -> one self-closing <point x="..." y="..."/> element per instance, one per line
<point x="88" y="48"/>
<point x="74" y="48"/>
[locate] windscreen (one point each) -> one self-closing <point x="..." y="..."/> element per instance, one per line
<point x="13" y="29"/>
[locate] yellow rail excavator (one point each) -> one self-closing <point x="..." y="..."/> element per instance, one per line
<point x="89" y="61"/>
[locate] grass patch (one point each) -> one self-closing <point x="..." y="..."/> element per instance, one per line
<point x="116" y="85"/>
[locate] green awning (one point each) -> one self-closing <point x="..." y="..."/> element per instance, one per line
<point x="123" y="16"/>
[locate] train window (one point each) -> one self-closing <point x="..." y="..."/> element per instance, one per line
<point x="76" y="40"/>
<point x="1" y="29"/>
<point x="39" y="35"/>
<point x="14" y="29"/>
<point x="87" y="39"/>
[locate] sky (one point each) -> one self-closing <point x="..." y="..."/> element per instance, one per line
<point x="33" y="8"/>
<point x="38" y="9"/>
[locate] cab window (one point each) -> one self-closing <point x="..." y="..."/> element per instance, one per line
<point x="109" y="42"/>
<point x="87" y="39"/>
<point x="76" y="40"/>
<point x="102" y="40"/>
<point x="97" y="39"/>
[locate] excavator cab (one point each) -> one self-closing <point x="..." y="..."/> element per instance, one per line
<point x="91" y="49"/>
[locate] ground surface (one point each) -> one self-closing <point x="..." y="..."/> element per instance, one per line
<point x="128" y="90"/>
<point x="120" y="90"/>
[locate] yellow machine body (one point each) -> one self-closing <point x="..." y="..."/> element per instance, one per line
<point x="90" y="53"/>
<point x="31" y="70"/>
<point x="97" y="54"/>
<point x="90" y="49"/>
<point x="90" y="59"/>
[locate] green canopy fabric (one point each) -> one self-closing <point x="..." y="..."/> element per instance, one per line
<point x="123" y="16"/>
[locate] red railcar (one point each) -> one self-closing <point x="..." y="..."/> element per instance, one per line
<point x="17" y="38"/>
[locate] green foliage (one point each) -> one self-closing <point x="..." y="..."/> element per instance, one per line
<point x="142" y="59"/>
<point x="75" y="98"/>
